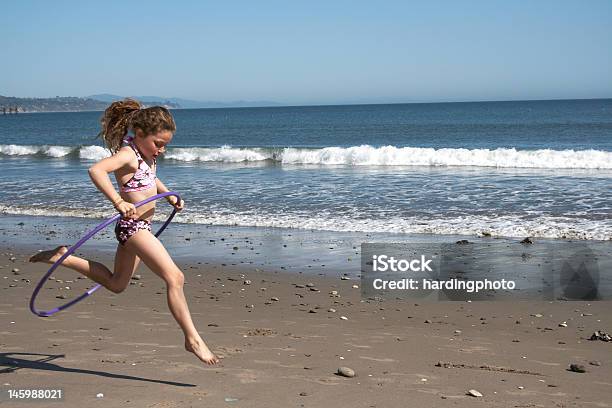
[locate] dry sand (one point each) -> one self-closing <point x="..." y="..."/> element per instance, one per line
<point x="283" y="342"/>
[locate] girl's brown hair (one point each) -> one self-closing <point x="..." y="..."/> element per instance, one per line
<point x="128" y="114"/>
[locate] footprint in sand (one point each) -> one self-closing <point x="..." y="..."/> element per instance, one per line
<point x="222" y="352"/>
<point x="380" y="360"/>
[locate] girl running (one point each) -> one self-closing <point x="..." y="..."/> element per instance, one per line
<point x="134" y="164"/>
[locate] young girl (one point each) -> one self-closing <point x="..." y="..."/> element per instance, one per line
<point x="134" y="164"/>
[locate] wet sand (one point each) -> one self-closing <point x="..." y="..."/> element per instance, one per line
<point x="282" y="337"/>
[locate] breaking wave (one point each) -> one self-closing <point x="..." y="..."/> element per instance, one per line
<point x="364" y="155"/>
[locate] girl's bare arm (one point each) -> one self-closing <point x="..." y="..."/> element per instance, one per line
<point x="99" y="173"/>
<point x="161" y="188"/>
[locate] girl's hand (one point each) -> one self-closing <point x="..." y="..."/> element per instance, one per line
<point x="127" y="210"/>
<point x="178" y="205"/>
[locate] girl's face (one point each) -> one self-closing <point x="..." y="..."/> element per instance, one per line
<point x="153" y="145"/>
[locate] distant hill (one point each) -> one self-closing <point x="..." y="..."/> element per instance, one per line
<point x="57" y="104"/>
<point x="101" y="102"/>
<point x="185" y="103"/>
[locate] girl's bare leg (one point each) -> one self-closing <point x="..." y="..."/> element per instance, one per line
<point x="148" y="248"/>
<point x="126" y="263"/>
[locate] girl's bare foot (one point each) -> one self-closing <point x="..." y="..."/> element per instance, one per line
<point x="199" y="348"/>
<point x="50" y="256"/>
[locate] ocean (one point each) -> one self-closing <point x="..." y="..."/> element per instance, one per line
<point x="504" y="169"/>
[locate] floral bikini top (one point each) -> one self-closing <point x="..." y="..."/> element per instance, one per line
<point x="144" y="177"/>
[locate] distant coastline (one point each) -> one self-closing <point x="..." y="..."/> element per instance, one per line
<point x="12" y="105"/>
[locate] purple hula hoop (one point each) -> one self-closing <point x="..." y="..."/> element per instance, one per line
<point x="46" y="313"/>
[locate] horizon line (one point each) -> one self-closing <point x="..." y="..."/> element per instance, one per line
<point x="280" y="105"/>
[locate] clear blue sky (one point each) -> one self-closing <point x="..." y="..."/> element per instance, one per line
<point x="308" y="52"/>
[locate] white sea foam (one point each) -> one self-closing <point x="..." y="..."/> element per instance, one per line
<point x="224" y="154"/>
<point x="25" y="150"/>
<point x="56" y="151"/>
<point x="417" y="156"/>
<point x="85" y="152"/>
<point x="357" y="156"/>
<point x="405" y="156"/>
<point x="498" y="226"/>
<point x="93" y="153"/>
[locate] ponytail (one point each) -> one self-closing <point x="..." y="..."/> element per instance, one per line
<point x="116" y="122"/>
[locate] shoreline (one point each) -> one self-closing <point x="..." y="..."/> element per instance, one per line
<point x="272" y="248"/>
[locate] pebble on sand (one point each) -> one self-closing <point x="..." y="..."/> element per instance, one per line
<point x="577" y="368"/>
<point x="346" y="372"/>
<point x="474" y="393"/>
<point x="600" y="335"/>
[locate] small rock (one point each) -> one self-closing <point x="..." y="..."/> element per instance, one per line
<point x="331" y="310"/>
<point x="563" y="324"/>
<point x="99" y="395"/>
<point x="247" y="282"/>
<point x="527" y="241"/>
<point x="136" y="277"/>
<point x="355" y="286"/>
<point x="595" y="363"/>
<point x="343" y="318"/>
<point x="345" y="278"/>
<point x="16" y="271"/>
<point x="274" y="299"/>
<point x="303" y="394"/>
<point x="600" y="335"/>
<point x="462" y="242"/>
<point x="346" y="372"/>
<point x="474" y="393"/>
<point x="577" y="368"/>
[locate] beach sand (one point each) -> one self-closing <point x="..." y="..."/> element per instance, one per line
<point x="282" y="340"/>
